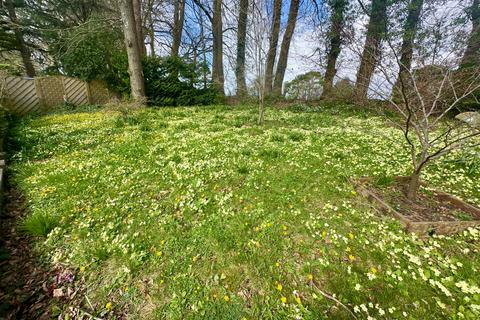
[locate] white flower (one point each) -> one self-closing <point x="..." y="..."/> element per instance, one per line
<point x="358" y="287"/>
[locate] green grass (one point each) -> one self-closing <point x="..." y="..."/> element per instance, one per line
<point x="198" y="213"/>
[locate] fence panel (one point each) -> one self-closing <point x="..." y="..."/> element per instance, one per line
<point x="21" y="95"/>
<point x="26" y="95"/>
<point x="75" y="91"/>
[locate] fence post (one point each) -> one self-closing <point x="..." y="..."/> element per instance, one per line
<point x="89" y="92"/>
<point x="39" y="91"/>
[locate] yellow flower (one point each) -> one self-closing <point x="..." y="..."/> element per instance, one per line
<point x="351" y="258"/>
<point x="159" y="253"/>
<point x="195" y="258"/>
<point x="284" y="228"/>
<point x="310" y="276"/>
<point x="351" y="236"/>
<point x="162" y="242"/>
<point x="257" y="229"/>
<point x="299" y="301"/>
<point x="348" y="249"/>
<point x="226" y="298"/>
<point x="283" y="299"/>
<point x="277" y="264"/>
<point x="82" y="269"/>
<point x="374" y="270"/>
<point x="324" y="233"/>
<point x="108" y="305"/>
<point x="279" y="287"/>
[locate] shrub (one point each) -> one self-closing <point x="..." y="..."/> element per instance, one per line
<point x="170" y="81"/>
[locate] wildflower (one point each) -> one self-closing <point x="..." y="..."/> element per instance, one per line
<point x="310" y="276"/>
<point x="159" y="253"/>
<point x="226" y="298"/>
<point x="283" y="299"/>
<point x="277" y="264"/>
<point x="108" y="305"/>
<point x="358" y="287"/>
<point x="351" y="236"/>
<point x="351" y="258"/>
<point x="298" y="300"/>
<point x="82" y="269"/>
<point x="279" y="287"/>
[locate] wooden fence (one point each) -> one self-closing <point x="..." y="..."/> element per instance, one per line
<point x="25" y="95"/>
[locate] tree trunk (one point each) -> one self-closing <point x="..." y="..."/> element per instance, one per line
<point x="22" y="47"/>
<point x="178" y="19"/>
<point x="336" y="29"/>
<point x="134" y="59"/>
<point x="137" y="12"/>
<point x="241" y="43"/>
<point x="409" y="33"/>
<point x="217" y="30"/>
<point x="151" y="28"/>
<point x="413" y="186"/>
<point x="273" y="43"/>
<point x="287" y="39"/>
<point x="471" y="56"/>
<point x="371" y="51"/>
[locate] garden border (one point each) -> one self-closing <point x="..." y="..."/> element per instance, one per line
<point x="422" y="227"/>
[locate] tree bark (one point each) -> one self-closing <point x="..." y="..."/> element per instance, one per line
<point x="336" y="30"/>
<point x="151" y="28"/>
<point x="241" y="43"/>
<point x="22" y="47"/>
<point x="287" y="39"/>
<point x="471" y="56"/>
<point x="273" y="43"/>
<point x="371" y="51"/>
<point x="137" y="12"/>
<point x="409" y="33"/>
<point x="217" y="30"/>
<point x="134" y="58"/>
<point x="178" y="19"/>
<point x="413" y="186"/>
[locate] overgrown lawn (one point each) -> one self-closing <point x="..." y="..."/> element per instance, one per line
<point x="183" y="213"/>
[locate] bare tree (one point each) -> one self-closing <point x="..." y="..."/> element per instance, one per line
<point x="241" y="43"/>
<point x="259" y="46"/>
<point x="217" y="33"/>
<point x="337" y="23"/>
<point x="371" y="51"/>
<point x="428" y="93"/>
<point x="287" y="39"/>
<point x="178" y="18"/>
<point x="137" y="13"/>
<point x="273" y="44"/>
<point x="149" y="13"/>
<point x="134" y="56"/>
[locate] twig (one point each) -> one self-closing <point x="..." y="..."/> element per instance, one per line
<point x="326" y="295"/>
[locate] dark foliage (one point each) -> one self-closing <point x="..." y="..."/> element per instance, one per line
<point x="170" y="81"/>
